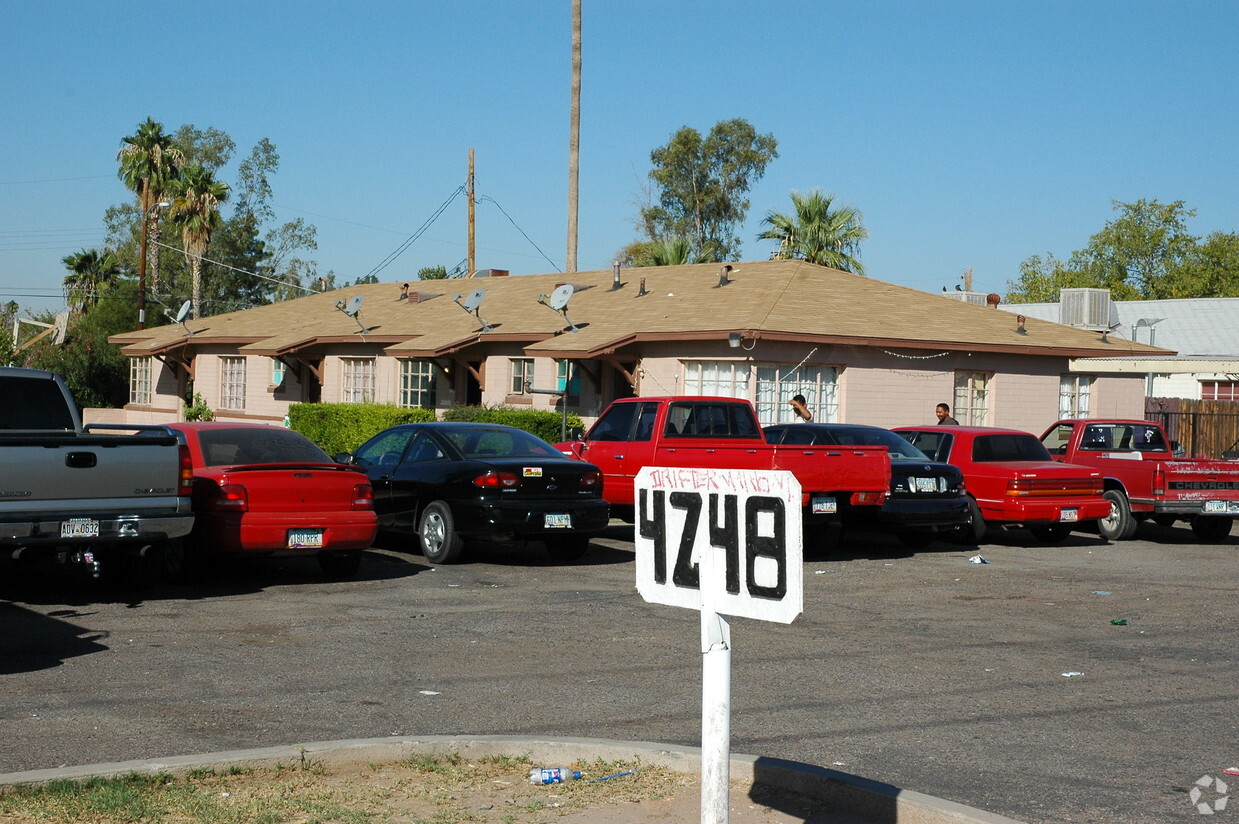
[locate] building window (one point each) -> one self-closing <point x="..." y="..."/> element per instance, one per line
<point x="566" y="378"/>
<point x="277" y="371"/>
<point x="1219" y="390"/>
<point x="358" y="386"/>
<point x="727" y="379"/>
<point x="232" y="383"/>
<point x="522" y="373"/>
<point x="777" y="384"/>
<point x="1073" y="396"/>
<point x="971" y="398"/>
<point x="140" y="380"/>
<point x="417" y="383"/>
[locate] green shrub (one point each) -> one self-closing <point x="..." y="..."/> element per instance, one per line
<point x="342" y="427"/>
<point x="544" y="424"/>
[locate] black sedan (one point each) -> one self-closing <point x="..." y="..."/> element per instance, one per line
<point x="447" y="482"/>
<point x="926" y="497"/>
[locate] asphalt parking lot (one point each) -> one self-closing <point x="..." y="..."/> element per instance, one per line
<point x="1006" y="686"/>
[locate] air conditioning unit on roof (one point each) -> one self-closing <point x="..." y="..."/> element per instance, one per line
<point x="967" y="297"/>
<point x="1087" y="309"/>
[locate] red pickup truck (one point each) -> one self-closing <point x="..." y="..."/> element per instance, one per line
<point x="723" y="433"/>
<point x="1013" y="480"/>
<point x="1144" y="480"/>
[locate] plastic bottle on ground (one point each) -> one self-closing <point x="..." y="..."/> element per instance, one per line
<point x="552" y="775"/>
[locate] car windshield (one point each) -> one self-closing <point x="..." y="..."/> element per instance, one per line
<point x="257" y="445"/>
<point x="477" y="443"/>
<point x="874" y="436"/>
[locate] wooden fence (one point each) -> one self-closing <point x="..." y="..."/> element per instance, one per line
<point x="1207" y="429"/>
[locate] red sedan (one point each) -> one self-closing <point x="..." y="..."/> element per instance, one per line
<point x="268" y="490"/>
<point x="1013" y="480"/>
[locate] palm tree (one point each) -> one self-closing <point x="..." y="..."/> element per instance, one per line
<point x="148" y="164"/>
<point x="574" y="138"/>
<point x="818" y="233"/>
<point x="93" y="272"/>
<point x="195" y="211"/>
<point x="674" y="251"/>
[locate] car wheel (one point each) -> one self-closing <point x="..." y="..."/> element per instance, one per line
<point x="340" y="564"/>
<point x="973" y="531"/>
<point x="437" y="533"/>
<point x="1050" y="533"/>
<point x="567" y="548"/>
<point x="1119" y="525"/>
<point x="916" y="540"/>
<point x="1212" y="529"/>
<point x="182" y="561"/>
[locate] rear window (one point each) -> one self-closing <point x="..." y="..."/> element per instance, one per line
<point x="484" y="444"/>
<point x="252" y="445"/>
<point x="42" y="405"/>
<point x="1008" y="447"/>
<point x="710" y="420"/>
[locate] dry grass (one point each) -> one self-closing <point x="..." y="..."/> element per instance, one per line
<point x="443" y="789"/>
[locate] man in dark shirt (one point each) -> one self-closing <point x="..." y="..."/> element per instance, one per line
<point x="943" y="411"/>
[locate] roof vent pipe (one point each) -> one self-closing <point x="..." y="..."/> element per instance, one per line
<point x="641" y="292"/>
<point x="615" y="275"/>
<point x="722" y="275"/>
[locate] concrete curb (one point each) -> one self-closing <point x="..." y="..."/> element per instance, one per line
<point x="871" y="801"/>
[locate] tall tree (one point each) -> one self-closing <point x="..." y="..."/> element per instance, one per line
<point x="818" y="232"/>
<point x="149" y="161"/>
<point x="1145" y="253"/>
<point x="93" y="271"/>
<point x="195" y="211"/>
<point x="702" y="185"/>
<point x="574" y="137"/>
<point x="674" y="251"/>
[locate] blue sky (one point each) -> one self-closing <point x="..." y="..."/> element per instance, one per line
<point x="969" y="134"/>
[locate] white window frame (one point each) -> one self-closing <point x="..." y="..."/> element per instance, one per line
<point x="141" y="390"/>
<point x="232" y="382"/>
<point x="1074" y="396"/>
<point x="778" y="383"/>
<point x="522" y="371"/>
<point x="972" y="391"/>
<point x="277" y="371"/>
<point x="418" y="379"/>
<point x="725" y="379"/>
<point x="357" y="380"/>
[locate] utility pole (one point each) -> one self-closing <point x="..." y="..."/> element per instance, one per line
<point x="574" y="138"/>
<point x="470" y="268"/>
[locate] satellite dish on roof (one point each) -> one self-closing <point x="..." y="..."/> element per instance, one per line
<point x="352" y="308"/>
<point x="558" y="300"/>
<point x="471" y="305"/>
<point x="183" y="312"/>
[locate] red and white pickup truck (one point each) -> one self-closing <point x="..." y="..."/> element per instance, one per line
<point x="723" y="433"/>
<point x="1143" y="479"/>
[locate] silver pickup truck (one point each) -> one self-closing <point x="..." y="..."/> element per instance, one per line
<point x="106" y="497"/>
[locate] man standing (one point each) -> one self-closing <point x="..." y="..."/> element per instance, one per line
<point x="943" y="411"/>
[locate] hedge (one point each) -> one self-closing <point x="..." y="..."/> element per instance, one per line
<point x="546" y="425"/>
<point x="342" y="427"/>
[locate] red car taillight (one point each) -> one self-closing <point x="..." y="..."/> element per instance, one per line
<point x="497" y="480"/>
<point x="1159" y="481"/>
<point x="186" y="482"/>
<point x="363" y="496"/>
<point x="231" y="498"/>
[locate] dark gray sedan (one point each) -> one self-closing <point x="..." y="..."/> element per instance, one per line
<point x="448" y="482"/>
<point x="926" y="497"/>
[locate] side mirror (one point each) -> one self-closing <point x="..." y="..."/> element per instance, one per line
<point x="343" y="458"/>
<point x="576" y="433"/>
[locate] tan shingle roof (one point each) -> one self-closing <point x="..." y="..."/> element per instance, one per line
<point x="764" y="299"/>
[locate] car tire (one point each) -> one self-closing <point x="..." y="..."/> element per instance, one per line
<point x="340" y="564"/>
<point x="972" y="532"/>
<point x="436" y="531"/>
<point x="1119" y="525"/>
<point x="1211" y="530"/>
<point x="182" y="560"/>
<point x="916" y="539"/>
<point x="1050" y="533"/>
<point x="568" y="547"/>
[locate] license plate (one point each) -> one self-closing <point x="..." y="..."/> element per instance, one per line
<point x="79" y="528"/>
<point x="823" y="506"/>
<point x="1219" y="506"/>
<point x="558" y="520"/>
<point x="305" y="538"/>
<point x="1069" y="515"/>
<point x="925" y="484"/>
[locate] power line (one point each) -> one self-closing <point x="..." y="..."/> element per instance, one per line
<point x="278" y="281"/>
<point x="488" y="198"/>
<point x="387" y="261"/>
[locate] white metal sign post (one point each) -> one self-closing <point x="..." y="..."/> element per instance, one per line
<point x="724" y="542"/>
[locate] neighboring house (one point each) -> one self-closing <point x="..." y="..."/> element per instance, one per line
<point x="1204" y="332"/>
<point x="858" y="349"/>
